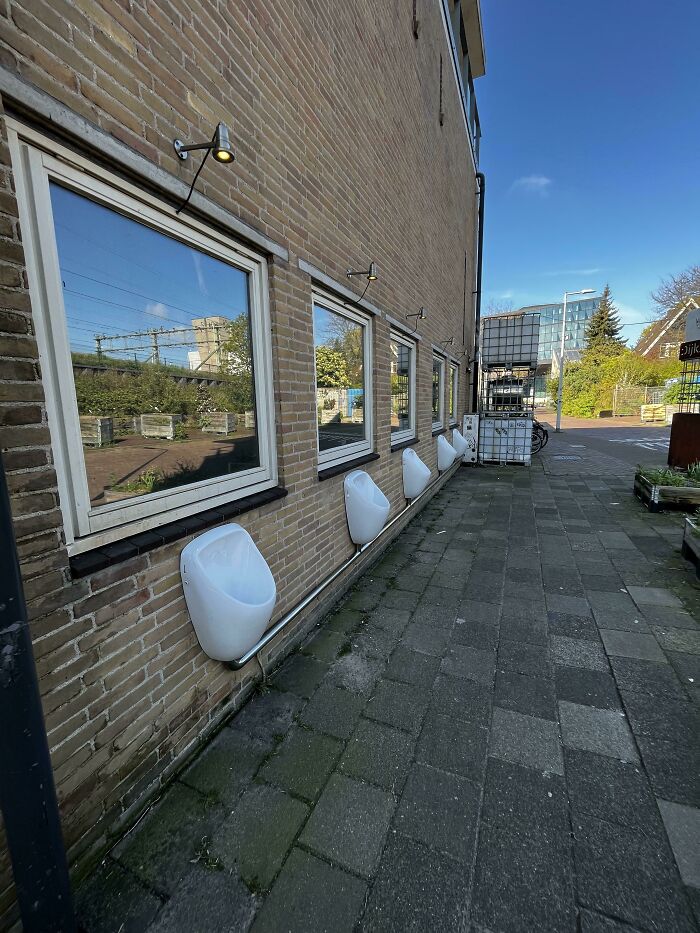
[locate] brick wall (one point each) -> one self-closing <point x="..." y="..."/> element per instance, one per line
<point x="340" y="157"/>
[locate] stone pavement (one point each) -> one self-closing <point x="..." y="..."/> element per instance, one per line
<point x="496" y="731"/>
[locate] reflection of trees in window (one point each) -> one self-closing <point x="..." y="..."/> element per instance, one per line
<point x="400" y="370"/>
<point x="436" y="390"/>
<point x="345" y="337"/>
<point x="331" y="368"/>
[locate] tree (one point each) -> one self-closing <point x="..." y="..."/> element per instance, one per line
<point x="676" y="288"/>
<point x="497" y="306"/>
<point x="603" y="329"/>
<point x="331" y="368"/>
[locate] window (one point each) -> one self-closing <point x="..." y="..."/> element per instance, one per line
<point x="343" y="367"/>
<point x="403" y="388"/>
<point x="454" y="392"/>
<point x="438" y="392"/>
<point x="154" y="341"/>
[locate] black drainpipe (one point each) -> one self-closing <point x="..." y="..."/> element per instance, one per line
<point x="27" y="792"/>
<point x="477" y="318"/>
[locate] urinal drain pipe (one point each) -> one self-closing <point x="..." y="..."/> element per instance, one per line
<point x="309" y="598"/>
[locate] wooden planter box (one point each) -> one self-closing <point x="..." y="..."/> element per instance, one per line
<point x="690" y="547"/>
<point x="250" y="419"/>
<point x="158" y="425"/>
<point x="95" y="431"/>
<point x="220" y="422"/>
<point x="658" y="498"/>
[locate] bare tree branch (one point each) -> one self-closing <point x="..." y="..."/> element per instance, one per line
<point x="675" y="288"/>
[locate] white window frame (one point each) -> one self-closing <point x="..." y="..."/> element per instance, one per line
<point x="37" y="160"/>
<point x="437" y="425"/>
<point x="454" y="382"/>
<point x="337" y="455"/>
<point x="399" y="437"/>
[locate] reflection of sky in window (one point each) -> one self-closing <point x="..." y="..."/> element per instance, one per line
<point x="121" y="277"/>
<point x="329" y="326"/>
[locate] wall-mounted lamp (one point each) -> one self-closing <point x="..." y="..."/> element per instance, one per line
<point x="419" y="315"/>
<point x="219" y="146"/>
<point x="446" y="343"/>
<point x="371" y="273"/>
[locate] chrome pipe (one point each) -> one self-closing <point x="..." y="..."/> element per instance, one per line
<point x="293" y="613"/>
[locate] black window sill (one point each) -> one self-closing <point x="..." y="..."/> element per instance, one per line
<point x="439" y="431"/>
<point x="345" y="466"/>
<point x="83" y="564"/>
<point x="400" y="446"/>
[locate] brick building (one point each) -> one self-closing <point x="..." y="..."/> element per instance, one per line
<point x="355" y="133"/>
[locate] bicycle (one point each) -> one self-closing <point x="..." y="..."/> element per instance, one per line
<point x="540" y="436"/>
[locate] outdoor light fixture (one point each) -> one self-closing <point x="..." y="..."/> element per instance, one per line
<point x="419" y="315"/>
<point x="447" y="343"/>
<point x="219" y="146"/>
<point x="371" y="273"/>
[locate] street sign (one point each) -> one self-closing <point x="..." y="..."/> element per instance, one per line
<point x="690" y="350"/>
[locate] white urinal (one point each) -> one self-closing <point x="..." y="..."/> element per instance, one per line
<point x="366" y="505"/>
<point x="229" y="590"/>
<point x="416" y="474"/>
<point x="459" y="443"/>
<point x="446" y="453"/>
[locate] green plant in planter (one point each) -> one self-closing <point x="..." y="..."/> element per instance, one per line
<point x="662" y="476"/>
<point x="180" y="432"/>
<point x="693" y="473"/>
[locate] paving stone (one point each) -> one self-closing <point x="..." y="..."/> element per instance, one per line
<point x="522" y="881"/>
<point x="452" y="581"/>
<point x="399" y="705"/>
<point x="622" y="873"/>
<point x="349" y="824"/>
<point x="526" y="740"/>
<point x="523" y="658"/>
<point x="333" y="711"/>
<point x="378" y="754"/>
<point x="574" y="605"/>
<point x="475" y="634"/>
<point x="207" y="899"/>
<point x="160" y="849"/>
<point x="363" y="600"/>
<point x="302" y="763"/>
<point x="472" y="663"/>
<point x="473" y="611"/>
<point x="299" y="675"/>
<point x="657" y="679"/>
<point x="631" y="645"/>
<point x="675" y="720"/>
<point x="592" y="922"/>
<point x="565" y="623"/>
<point x="654" y="596"/>
<point x="345" y="620"/>
<point x="460" y="698"/>
<point x="408" y="580"/>
<point x="524" y="608"/>
<point x="603" y="731"/>
<point x="400" y="599"/>
<point x="113" y="899"/>
<point x="435" y="616"/>
<point x="683" y="829"/>
<point x="674" y="618"/>
<point x="611" y="602"/>
<point x="525" y="799"/>
<point x="686" y="666"/>
<point x="355" y="673"/>
<point x="532" y="631"/>
<point x="255" y="839"/>
<point x="425" y="638"/>
<point x="672" y="769"/>
<point x="602" y="583"/>
<point x="412" y="667"/>
<point x="611" y="790"/>
<point x="416" y="889"/>
<point x="589" y="688"/>
<point x="456" y="746"/>
<point x="578" y="652"/>
<point x="266" y="718"/>
<point x="386" y="618"/>
<point x="630" y="620"/>
<point x="225" y="766"/>
<point x="311" y="896"/>
<point x="678" y="639"/>
<point x="533" y="696"/>
<point x="439" y="810"/>
<point x="325" y="645"/>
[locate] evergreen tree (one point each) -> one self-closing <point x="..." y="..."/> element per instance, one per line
<point x="602" y="332"/>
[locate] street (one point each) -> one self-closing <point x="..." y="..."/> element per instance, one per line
<point x="623" y="439"/>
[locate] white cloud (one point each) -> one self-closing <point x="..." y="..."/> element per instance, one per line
<point x="533" y="184"/>
<point x="157" y="308"/>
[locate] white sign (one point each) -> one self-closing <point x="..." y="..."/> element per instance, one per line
<point x="470" y="431"/>
<point x="692" y="325"/>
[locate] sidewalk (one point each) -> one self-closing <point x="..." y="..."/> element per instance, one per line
<point x="497" y="731"/>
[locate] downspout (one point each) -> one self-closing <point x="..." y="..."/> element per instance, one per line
<point x="481" y="178"/>
<point x="27" y="792"/>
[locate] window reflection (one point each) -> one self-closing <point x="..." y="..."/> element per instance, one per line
<point x="400" y="387"/>
<point x="340" y="391"/>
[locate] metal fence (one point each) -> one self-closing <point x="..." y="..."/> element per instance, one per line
<point x="627" y="400"/>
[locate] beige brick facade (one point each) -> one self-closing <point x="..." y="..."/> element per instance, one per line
<point x="340" y="158"/>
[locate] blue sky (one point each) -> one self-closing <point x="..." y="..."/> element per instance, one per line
<point x="590" y="113"/>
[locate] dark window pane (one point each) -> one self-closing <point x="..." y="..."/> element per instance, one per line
<point x="437" y="367"/>
<point x="400" y="387"/>
<point x="161" y="350"/>
<point x="340" y="395"/>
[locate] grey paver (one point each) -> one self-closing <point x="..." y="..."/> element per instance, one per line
<point x="602" y="731"/>
<point x="685" y="640"/>
<point x="311" y="896"/>
<point x="472" y="663"/>
<point x="412" y="667"/>
<point x="266" y="718"/>
<point x="349" y="824"/>
<point x="206" y="899"/>
<point x="113" y="897"/>
<point x="453" y="745"/>
<point x="654" y="596"/>
<point x="683" y="828"/>
<point x="565" y="623"/>
<point x="439" y="810"/>
<point x="333" y="711"/>
<point x="225" y="766"/>
<point x="416" y="888"/>
<point x="672" y="768"/>
<point x="632" y="645"/>
<point x="302" y="762"/>
<point x="589" y="688"/>
<point x="657" y="679"/>
<point x="522" y="658"/>
<point x="578" y="652"/>
<point x="256" y="837"/>
<point x="355" y="673"/>
<point x="325" y="644"/>
<point x="378" y="754"/>
<point x="426" y="638"/>
<point x="475" y="634"/>
<point x="524" y="798"/>
<point x="533" y="696"/>
<point x="526" y="740"/>
<point x="400" y="705"/>
<point x="592" y="922"/>
<point x="460" y="698"/>
<point x="300" y="675"/>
